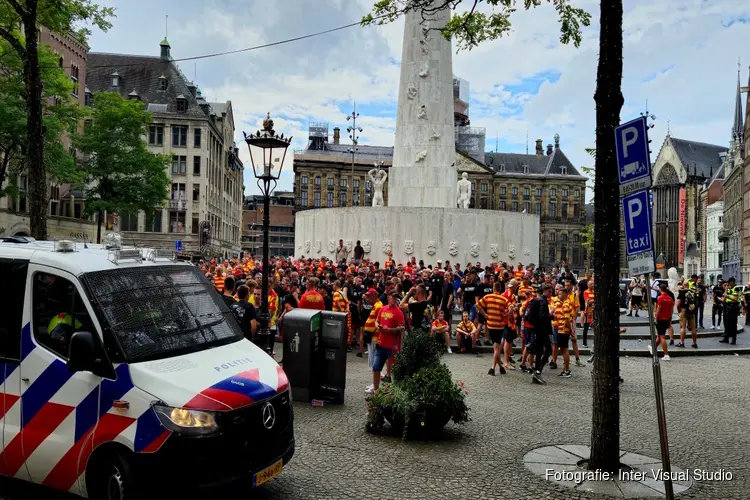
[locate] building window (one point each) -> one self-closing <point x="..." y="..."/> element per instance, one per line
<point x="576" y="238"/>
<point x="564" y="171"/>
<point x="197" y="138"/>
<point x="564" y="209"/>
<point x="176" y="222"/>
<point x="483" y="202"/>
<point x="483" y="187"/>
<point x="538" y="192"/>
<point x="514" y="206"/>
<point x="317" y="182"/>
<point x="316" y="199"/>
<point x="331" y="183"/>
<point x="527" y="207"/>
<point x="577" y="194"/>
<point x="197" y="165"/>
<point x="342" y="199"/>
<point x="576" y="211"/>
<point x="128" y="221"/>
<point x="303" y="198"/>
<point x="195" y="225"/>
<point x="182" y="105"/>
<point x="564" y="193"/>
<point x="342" y="183"/>
<point x="179" y="136"/>
<point x="502" y="205"/>
<point x="551" y="254"/>
<point x="196" y="192"/>
<point x="564" y="238"/>
<point x="303" y="180"/>
<point x="179" y="165"/>
<point x="503" y="190"/>
<point x="156" y="135"/>
<point x="115" y="79"/>
<point x="576" y="256"/>
<point x="563" y="254"/>
<point x="526" y="192"/>
<point x="553" y="193"/>
<point x="525" y="169"/>
<point x="153" y="222"/>
<point x="162" y="83"/>
<point x="74" y="73"/>
<point x="538" y="208"/>
<point x="87" y="99"/>
<point x="14" y="273"/>
<point x="514" y="191"/>
<point x="553" y="209"/>
<point x="552" y="237"/>
<point x="329" y="199"/>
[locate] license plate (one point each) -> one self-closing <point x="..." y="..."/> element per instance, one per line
<point x="267" y="474"/>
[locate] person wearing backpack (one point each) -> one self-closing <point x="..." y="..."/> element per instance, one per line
<point x="538" y="314"/>
<point x="687" y="305"/>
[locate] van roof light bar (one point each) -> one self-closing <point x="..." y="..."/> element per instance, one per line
<point x="115" y="256"/>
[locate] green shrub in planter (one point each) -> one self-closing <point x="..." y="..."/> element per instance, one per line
<point x="419" y="349"/>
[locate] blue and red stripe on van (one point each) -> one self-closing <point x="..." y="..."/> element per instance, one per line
<point x="234" y="392"/>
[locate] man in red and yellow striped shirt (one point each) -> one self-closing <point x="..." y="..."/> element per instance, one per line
<point x="564" y="317"/>
<point x="494" y="307"/>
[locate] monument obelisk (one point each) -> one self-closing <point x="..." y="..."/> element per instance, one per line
<point x="423" y="172"/>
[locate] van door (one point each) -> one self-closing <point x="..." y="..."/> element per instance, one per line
<point x="59" y="408"/>
<point x="12" y="322"/>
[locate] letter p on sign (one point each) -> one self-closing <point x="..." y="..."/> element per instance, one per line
<point x="629" y="137"/>
<point x="635" y="207"/>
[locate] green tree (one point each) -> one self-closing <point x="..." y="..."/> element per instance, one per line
<point x="120" y="173"/>
<point x="60" y="16"/>
<point x="469" y="29"/>
<point x="61" y="114"/>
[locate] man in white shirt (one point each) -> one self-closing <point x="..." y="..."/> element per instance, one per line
<point x="636" y="296"/>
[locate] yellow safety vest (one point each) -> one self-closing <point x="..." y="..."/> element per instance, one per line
<point x="60" y="325"/>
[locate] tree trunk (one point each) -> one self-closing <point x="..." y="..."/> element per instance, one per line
<point x="37" y="180"/>
<point x="605" y="428"/>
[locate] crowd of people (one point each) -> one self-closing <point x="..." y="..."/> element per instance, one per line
<point x="498" y="303"/>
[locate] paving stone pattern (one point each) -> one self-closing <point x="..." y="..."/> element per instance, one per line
<point x="706" y="406"/>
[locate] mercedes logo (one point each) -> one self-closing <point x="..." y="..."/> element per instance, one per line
<point x="268" y="416"/>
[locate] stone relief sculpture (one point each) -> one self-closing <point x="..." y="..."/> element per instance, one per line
<point x="411" y="92"/>
<point x="318" y="246"/>
<point x="366" y="246"/>
<point x="421" y="156"/>
<point x="349" y="245"/>
<point x="453" y="248"/>
<point x="387" y="246"/>
<point x="422" y="113"/>
<point x="307" y="246"/>
<point x="431" y="248"/>
<point x="331" y="246"/>
<point x="408" y="247"/>
<point x="673" y="277"/>
<point x="377" y="178"/>
<point x="424" y="70"/>
<point x="526" y="251"/>
<point x="435" y="135"/>
<point x="464" y="191"/>
<point x="474" y="249"/>
<point x="426" y="30"/>
<point x="512" y="251"/>
<point x="425" y="48"/>
<point x="494" y="251"/>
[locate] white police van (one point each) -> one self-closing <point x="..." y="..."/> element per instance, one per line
<point x="120" y="371"/>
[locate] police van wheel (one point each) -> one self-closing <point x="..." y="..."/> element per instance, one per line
<point x="113" y="480"/>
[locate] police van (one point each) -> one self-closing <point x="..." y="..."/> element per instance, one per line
<point x="122" y="369"/>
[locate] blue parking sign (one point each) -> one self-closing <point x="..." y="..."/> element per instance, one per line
<point x="639" y="240"/>
<point x="633" y="160"/>
<point x="178" y="245"/>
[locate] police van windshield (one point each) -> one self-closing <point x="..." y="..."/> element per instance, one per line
<point x="154" y="312"/>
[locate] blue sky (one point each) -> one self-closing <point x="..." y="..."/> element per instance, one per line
<point x="682" y="60"/>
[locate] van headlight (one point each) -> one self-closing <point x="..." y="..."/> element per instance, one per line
<point x="185" y="421"/>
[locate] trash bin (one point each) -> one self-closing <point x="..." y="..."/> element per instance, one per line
<point x="302" y="352"/>
<point x="334" y="334"/>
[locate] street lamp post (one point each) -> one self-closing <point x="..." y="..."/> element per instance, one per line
<point x="267" y="141"/>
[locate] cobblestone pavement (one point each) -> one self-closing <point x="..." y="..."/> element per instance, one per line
<point x="706" y="399"/>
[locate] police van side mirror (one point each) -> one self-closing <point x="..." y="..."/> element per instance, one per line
<point x="85" y="354"/>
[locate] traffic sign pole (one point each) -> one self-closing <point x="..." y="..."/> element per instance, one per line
<point x="659" y="392"/>
<point x="634" y="176"/>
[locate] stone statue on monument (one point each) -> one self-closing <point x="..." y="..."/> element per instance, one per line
<point x="464" y="191"/>
<point x="378" y="177"/>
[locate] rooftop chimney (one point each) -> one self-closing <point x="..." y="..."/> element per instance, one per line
<point x="336" y="135"/>
<point x="539" y="148"/>
<point x="549" y="149"/>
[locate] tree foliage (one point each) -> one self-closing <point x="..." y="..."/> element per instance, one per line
<point x="60" y="16"/>
<point x="61" y="115"/>
<point x="120" y="173"/>
<point x="474" y="26"/>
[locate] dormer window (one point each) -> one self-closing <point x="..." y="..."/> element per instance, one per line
<point x="87" y="97"/>
<point x="134" y="95"/>
<point x="525" y="169"/>
<point x="115" y="79"/>
<point x="162" y="82"/>
<point x="564" y="170"/>
<point x="502" y="167"/>
<point x="181" y="103"/>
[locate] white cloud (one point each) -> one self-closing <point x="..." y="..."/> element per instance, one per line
<point x="681" y="58"/>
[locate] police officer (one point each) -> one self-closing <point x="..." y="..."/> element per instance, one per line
<point x="746" y="298"/>
<point x="731" y="312"/>
<point x="61" y="327"/>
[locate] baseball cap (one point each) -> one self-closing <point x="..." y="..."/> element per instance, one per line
<point x="513" y="282"/>
<point x="371" y="291"/>
<point x="439" y="261"/>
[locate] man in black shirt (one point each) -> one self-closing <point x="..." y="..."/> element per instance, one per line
<point x="354" y="293"/>
<point x="717" y="309"/>
<point x="244" y="312"/>
<point x="468" y="293"/>
<point x="700" y="297"/>
<point x="228" y="293"/>
<point x="435" y="283"/>
<point x="420" y="311"/>
<point x="583" y="285"/>
<point x="538" y="314"/>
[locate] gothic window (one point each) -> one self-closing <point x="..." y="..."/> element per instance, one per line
<point x="667" y="175"/>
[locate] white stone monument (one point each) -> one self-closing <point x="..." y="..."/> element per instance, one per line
<point x="377" y="177"/>
<point x="421" y="219"/>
